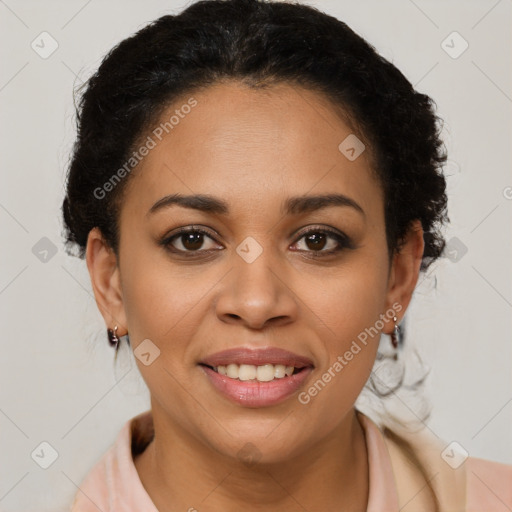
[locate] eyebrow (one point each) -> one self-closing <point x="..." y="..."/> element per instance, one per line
<point x="292" y="206"/>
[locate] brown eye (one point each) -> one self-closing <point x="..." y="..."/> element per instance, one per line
<point x="192" y="241"/>
<point x="324" y="241"/>
<point x="188" y="240"/>
<point x="316" y="241"/>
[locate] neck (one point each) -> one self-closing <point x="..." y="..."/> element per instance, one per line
<point x="179" y="473"/>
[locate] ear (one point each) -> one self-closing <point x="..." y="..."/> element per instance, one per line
<point x="404" y="272"/>
<point x="104" y="272"/>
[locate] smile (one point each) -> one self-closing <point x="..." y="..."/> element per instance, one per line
<point x="256" y="377"/>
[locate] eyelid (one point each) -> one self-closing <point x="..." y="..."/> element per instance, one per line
<point x="344" y="241"/>
<point x="193" y="228"/>
<point x="316" y="227"/>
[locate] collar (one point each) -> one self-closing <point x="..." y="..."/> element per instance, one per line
<point x="382" y="496"/>
<point x="138" y="432"/>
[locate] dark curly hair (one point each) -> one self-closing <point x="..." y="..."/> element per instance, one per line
<point x="258" y="43"/>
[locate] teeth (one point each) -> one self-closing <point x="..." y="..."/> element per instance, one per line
<point x="232" y="371"/>
<point x="247" y="372"/>
<point x="279" y="371"/>
<point x="264" y="373"/>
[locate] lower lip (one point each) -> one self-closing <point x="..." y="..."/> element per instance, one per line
<point x="252" y="393"/>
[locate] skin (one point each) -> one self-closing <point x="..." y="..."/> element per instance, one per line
<point x="253" y="149"/>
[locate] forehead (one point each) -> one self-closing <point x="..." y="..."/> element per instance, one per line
<point x="243" y="143"/>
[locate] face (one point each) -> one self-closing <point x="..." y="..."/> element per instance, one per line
<point x="263" y="271"/>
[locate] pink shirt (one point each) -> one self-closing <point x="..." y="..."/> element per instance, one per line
<point x="478" y="485"/>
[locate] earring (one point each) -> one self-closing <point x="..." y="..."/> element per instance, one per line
<point x="114" y="340"/>
<point x="395" y="335"/>
<point x="112" y="337"/>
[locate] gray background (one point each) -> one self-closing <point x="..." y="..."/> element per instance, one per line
<point x="58" y="382"/>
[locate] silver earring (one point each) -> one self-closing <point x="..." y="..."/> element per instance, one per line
<point x="395" y="335"/>
<point x="112" y="337"/>
<point x="114" y="340"/>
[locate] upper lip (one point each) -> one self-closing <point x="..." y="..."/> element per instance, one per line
<point x="256" y="357"/>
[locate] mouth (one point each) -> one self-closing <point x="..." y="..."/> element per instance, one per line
<point x="257" y="378"/>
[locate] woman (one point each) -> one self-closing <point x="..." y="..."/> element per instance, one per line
<point x="256" y="191"/>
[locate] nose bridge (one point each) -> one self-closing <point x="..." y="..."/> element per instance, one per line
<point x="256" y="269"/>
<point x="257" y="291"/>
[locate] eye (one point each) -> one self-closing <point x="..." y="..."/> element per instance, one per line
<point x="316" y="240"/>
<point x="190" y="239"/>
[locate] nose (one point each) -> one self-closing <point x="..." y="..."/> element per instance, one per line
<point x="257" y="294"/>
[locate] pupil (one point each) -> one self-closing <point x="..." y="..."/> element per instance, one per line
<point x="193" y="240"/>
<point x="318" y="240"/>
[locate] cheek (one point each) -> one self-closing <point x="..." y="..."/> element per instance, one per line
<point x="158" y="296"/>
<point x="351" y="302"/>
<point x="350" y="307"/>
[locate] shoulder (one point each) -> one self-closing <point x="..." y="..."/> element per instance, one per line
<point x="475" y="485"/>
<point x="93" y="491"/>
<point x="113" y="482"/>
<point x="489" y="485"/>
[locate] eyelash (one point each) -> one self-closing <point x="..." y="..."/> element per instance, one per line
<point x="344" y="242"/>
